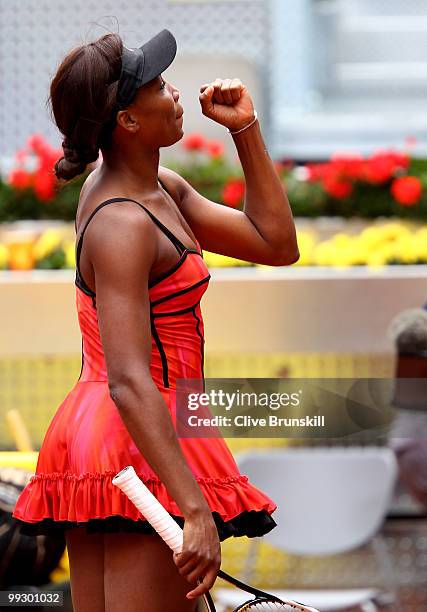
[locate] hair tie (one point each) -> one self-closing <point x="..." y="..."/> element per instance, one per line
<point x="78" y="155"/>
<point x="71" y="153"/>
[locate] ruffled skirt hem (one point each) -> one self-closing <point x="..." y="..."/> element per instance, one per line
<point x="52" y="503"/>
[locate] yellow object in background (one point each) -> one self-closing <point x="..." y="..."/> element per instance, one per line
<point x="24" y="461"/>
<point x="62" y="572"/>
<point x="19" y="244"/>
<point x="3" y="257"/>
<point x="70" y="255"/>
<point x="19" y="431"/>
<point x="20" y="256"/>
<point x="47" y="242"/>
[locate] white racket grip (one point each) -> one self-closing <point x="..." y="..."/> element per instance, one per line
<point x="132" y="486"/>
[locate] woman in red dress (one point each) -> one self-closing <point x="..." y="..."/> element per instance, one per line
<point x="139" y="280"/>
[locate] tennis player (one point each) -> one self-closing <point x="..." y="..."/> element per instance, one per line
<point x="141" y="230"/>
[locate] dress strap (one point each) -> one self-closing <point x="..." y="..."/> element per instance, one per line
<point x="180" y="247"/>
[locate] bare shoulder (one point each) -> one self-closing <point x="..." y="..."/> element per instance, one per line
<point x="95" y="194"/>
<point x="88" y="198"/>
<point x="122" y="249"/>
<point x="118" y="224"/>
<point x="88" y="185"/>
<point x="174" y="183"/>
<point x="119" y="228"/>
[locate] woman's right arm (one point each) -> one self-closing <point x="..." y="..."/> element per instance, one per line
<point x="122" y="247"/>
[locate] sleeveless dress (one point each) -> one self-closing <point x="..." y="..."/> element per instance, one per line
<point x="87" y="443"/>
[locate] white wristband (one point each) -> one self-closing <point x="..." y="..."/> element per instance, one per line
<point x="246" y="126"/>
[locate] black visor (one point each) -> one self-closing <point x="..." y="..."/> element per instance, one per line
<point x="143" y="64"/>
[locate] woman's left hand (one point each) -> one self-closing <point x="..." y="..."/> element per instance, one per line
<point x="227" y="101"/>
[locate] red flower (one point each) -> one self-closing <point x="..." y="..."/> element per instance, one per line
<point x="21" y="179"/>
<point x="44" y="185"/>
<point x="21" y="156"/>
<point x="37" y="143"/>
<point x="316" y="172"/>
<point x="194" y="142"/>
<point x="382" y="166"/>
<point x="48" y="159"/>
<point x="347" y="166"/>
<point x="407" y="190"/>
<point x="402" y="160"/>
<point x="42" y="179"/>
<point x="337" y="188"/>
<point x="215" y="148"/>
<point x="233" y="192"/>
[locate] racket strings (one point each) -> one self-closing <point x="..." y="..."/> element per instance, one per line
<point x="265" y="606"/>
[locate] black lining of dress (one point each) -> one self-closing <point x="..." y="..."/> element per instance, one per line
<point x="171" y="270"/>
<point x="249" y="523"/>
<point x="165" y="367"/>
<point x="180" y="247"/>
<point x="176" y="312"/>
<point x="174" y="267"/>
<point x="202" y="347"/>
<point x="83" y="359"/>
<point x="181" y="291"/>
<point x="79" y="276"/>
<point x="82" y="285"/>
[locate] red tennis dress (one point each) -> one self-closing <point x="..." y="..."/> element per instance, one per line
<point x="87" y="443"/>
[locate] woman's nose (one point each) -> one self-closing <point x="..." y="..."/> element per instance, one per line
<point x="175" y="93"/>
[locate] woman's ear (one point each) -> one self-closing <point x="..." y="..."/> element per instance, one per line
<point x="126" y="119"/>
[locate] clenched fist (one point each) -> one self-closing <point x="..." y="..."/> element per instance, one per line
<point x="227" y="101"/>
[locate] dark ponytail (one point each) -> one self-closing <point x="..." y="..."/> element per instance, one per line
<point x="82" y="99"/>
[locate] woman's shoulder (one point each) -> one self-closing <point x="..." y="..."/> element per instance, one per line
<point x="92" y="195"/>
<point x="93" y="192"/>
<point x="172" y="182"/>
<point x="89" y="186"/>
<point x="84" y="196"/>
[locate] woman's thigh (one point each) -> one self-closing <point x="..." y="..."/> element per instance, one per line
<point x="86" y="556"/>
<point x="141" y="576"/>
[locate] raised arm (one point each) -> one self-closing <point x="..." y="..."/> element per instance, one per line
<point x="264" y="232"/>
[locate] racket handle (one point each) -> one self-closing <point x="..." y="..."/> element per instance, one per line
<point x="132" y="486"/>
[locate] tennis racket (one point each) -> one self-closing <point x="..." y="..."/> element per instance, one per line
<point x="132" y="486"/>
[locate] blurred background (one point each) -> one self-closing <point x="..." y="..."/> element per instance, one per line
<point x="340" y="88"/>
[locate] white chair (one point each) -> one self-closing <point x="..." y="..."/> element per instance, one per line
<point x="330" y="501"/>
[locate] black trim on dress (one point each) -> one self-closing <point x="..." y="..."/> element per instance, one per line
<point x="164" y="275"/>
<point x="174" y="267"/>
<point x="83" y="360"/>
<point x="175" y="312"/>
<point x="162" y="353"/>
<point x="180" y="247"/>
<point x="181" y="291"/>
<point x="249" y="523"/>
<point x="202" y="347"/>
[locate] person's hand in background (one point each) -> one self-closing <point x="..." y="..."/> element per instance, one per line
<point x="412" y="459"/>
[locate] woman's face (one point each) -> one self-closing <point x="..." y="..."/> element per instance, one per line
<point x="156" y="111"/>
